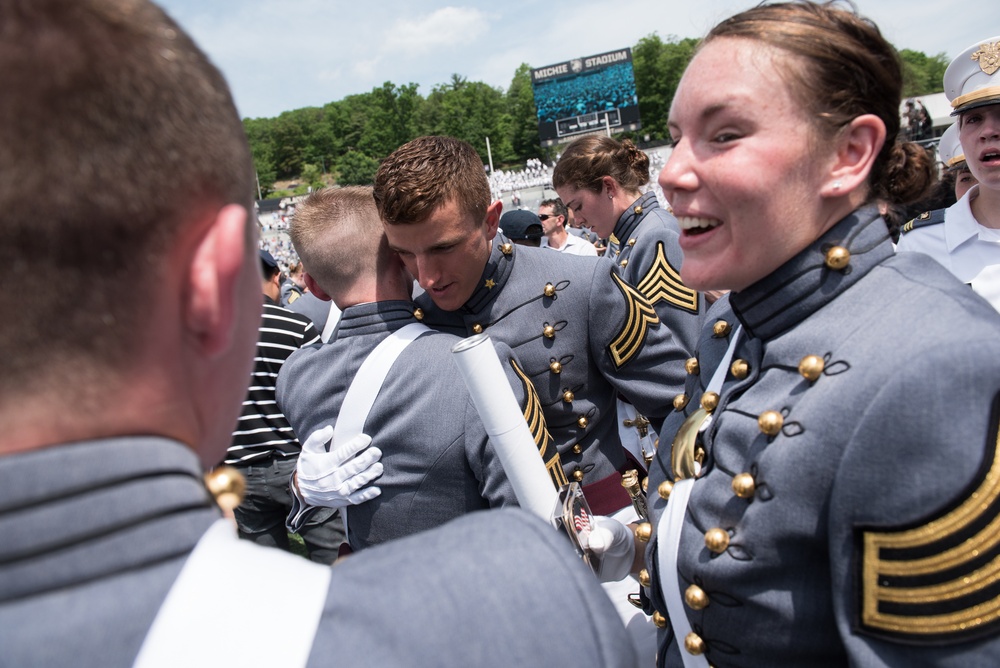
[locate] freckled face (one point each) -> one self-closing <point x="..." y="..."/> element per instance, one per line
<point x="745" y="174"/>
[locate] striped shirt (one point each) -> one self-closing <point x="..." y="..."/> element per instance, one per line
<point x="262" y="430"/>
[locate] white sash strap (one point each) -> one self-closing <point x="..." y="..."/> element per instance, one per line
<point x="670" y="526"/>
<point x="196" y="628"/>
<point x="368" y="383"/>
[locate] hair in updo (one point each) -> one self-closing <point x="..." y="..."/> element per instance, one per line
<point x="589" y="159"/>
<point x="844" y="68"/>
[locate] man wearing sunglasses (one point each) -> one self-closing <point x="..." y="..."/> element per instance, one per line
<point x="552" y="213"/>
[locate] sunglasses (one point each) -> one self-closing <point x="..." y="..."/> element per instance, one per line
<point x="546" y="216"/>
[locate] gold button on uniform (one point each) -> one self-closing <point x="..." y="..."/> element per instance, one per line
<point x="578" y="474"/>
<point x="696" y="598"/>
<point x="582" y="421"/>
<point x="577" y="448"/>
<point x="631" y="242"/>
<point x="623" y="263"/>
<point x="717" y="540"/>
<point x="664" y="489"/>
<point x="710" y="401"/>
<point x="418" y="314"/>
<point x="721" y="328"/>
<point x="680" y="401"/>
<point x="643" y="532"/>
<point x="227" y="486"/>
<point x="644" y="578"/>
<point x="770" y="422"/>
<point x="568" y="396"/>
<point x="691" y="366"/>
<point x="811" y="367"/>
<point x="740" y="369"/>
<point x="744" y="486"/>
<point x="549" y="332"/>
<point x="550" y="290"/>
<point x="507" y="249"/>
<point x="694" y="644"/>
<point x="477" y="328"/>
<point x="659" y="620"/>
<point x="837" y="258"/>
<point x="555" y="367"/>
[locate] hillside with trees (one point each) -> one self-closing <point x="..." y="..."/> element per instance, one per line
<point x="343" y="141"/>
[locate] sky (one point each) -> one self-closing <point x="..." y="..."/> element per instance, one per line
<point x="280" y="55"/>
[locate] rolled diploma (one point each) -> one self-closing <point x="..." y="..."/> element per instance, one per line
<point x="504" y="421"/>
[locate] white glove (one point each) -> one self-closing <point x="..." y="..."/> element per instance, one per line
<point x="614" y="545"/>
<point x="335" y="479"/>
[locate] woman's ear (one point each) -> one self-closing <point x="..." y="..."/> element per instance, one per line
<point x="610" y="186"/>
<point x="858" y="145"/>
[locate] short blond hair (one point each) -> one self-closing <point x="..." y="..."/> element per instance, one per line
<point x="339" y="237"/>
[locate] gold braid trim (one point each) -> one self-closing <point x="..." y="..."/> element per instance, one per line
<point x="967" y="582"/>
<point x="641" y="317"/>
<point x="536" y="425"/>
<point x="663" y="283"/>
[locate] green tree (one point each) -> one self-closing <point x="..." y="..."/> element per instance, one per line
<point x="312" y="177"/>
<point x="922" y="74"/>
<point x="391" y="119"/>
<point x="523" y="116"/>
<point x="356" y="169"/>
<point x="658" y="67"/>
<point x="258" y="132"/>
<point x="470" y="111"/>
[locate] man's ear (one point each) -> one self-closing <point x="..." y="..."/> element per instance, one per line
<point x="213" y="276"/>
<point x="493" y="212"/>
<point x="858" y="146"/>
<point x="314" y="287"/>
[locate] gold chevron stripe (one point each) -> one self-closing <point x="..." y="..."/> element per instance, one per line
<point x="663" y="283"/>
<point x="874" y="567"/>
<point x="535" y="418"/>
<point x="641" y="316"/>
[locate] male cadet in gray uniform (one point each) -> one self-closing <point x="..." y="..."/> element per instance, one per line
<point x="436" y="456"/>
<point x="109" y="419"/>
<point x="581" y="332"/>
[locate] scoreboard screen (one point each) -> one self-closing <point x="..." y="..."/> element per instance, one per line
<point x="586" y="95"/>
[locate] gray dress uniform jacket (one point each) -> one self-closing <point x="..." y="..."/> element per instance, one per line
<point x="93" y="535"/>
<point x="645" y="246"/>
<point x="438" y="462"/>
<point x="582" y="335"/>
<point x="847" y="503"/>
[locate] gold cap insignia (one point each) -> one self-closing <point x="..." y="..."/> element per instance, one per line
<point x="988" y="57"/>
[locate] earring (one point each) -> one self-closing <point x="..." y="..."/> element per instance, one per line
<point x="837" y="185"/>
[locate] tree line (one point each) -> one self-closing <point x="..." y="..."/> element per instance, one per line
<point x="344" y="141"/>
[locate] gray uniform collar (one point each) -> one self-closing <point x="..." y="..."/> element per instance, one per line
<point x="495" y="274"/>
<point x="69" y="505"/>
<point x="805" y="284"/>
<point x="632" y="216"/>
<point x="376" y="318"/>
